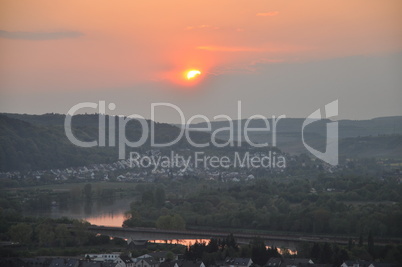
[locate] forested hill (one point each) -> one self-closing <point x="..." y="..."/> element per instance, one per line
<point x="378" y="137"/>
<point x="26" y="146"/>
<point x="382" y="146"/>
<point x="36" y="142"/>
<point x="347" y="128"/>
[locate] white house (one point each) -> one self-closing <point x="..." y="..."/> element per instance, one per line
<point x="103" y="257"/>
<point x="124" y="261"/>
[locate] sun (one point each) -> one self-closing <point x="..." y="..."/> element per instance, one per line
<point x="192" y="74"/>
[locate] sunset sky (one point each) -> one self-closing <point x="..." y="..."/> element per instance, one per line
<point x="276" y="56"/>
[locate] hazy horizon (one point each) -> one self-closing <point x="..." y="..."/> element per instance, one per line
<point x="278" y="57"/>
<point x="211" y="119"/>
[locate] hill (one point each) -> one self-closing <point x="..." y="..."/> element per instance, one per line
<point x="32" y="142"/>
<point x="289" y="135"/>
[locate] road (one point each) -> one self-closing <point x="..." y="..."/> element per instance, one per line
<point x="141" y="235"/>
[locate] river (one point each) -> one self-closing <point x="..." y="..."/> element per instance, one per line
<point x="102" y="213"/>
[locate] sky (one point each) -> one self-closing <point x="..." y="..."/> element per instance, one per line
<point x="278" y="57"/>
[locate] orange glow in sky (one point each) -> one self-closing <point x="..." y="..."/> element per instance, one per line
<point x="62" y="50"/>
<point x="92" y="44"/>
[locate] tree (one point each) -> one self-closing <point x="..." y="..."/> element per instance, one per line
<point x="361" y="253"/>
<point x="171" y="222"/>
<point x="315" y="251"/>
<point x="208" y="259"/>
<point x="46" y="234"/>
<point x="273" y="252"/>
<point x="148" y="197"/>
<point x="170" y="256"/>
<point x="195" y="251"/>
<point x="212" y="245"/>
<point x="88" y="191"/>
<point x="370" y="245"/>
<point x="339" y="256"/>
<point x="133" y="218"/>
<point x="63" y="235"/>
<point x="350" y="244"/>
<point x="360" y="240"/>
<point x="80" y="234"/>
<point x="178" y="222"/>
<point x="321" y="218"/>
<point x="259" y="253"/>
<point x="159" y="197"/>
<point x="231" y="242"/>
<point x="326" y="254"/>
<point x="21" y="233"/>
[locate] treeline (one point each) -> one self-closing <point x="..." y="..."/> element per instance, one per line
<point x="336" y="254"/>
<point x="320" y="253"/>
<point x="49" y="233"/>
<point x="46" y="232"/>
<point x="41" y="199"/>
<point x="357" y="205"/>
<point x="219" y="250"/>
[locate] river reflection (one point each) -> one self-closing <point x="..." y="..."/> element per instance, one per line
<point x="115" y="220"/>
<point x="189" y="242"/>
<point x="185" y="242"/>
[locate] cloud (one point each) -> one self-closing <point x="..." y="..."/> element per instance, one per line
<point x="272" y="48"/>
<point x="202" y="27"/>
<point x="267" y="14"/>
<point x="246" y="67"/>
<point x="229" y="49"/>
<point x="263" y="61"/>
<point x="39" y="36"/>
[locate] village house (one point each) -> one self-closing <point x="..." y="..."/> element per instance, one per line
<point x="64" y="263"/>
<point x="103" y="257"/>
<point x="162" y="256"/>
<point x="362" y="263"/>
<point x="238" y="262"/>
<point x="124" y="261"/>
<point x="297" y="262"/>
<point x="146" y="262"/>
<point x="274" y="262"/>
